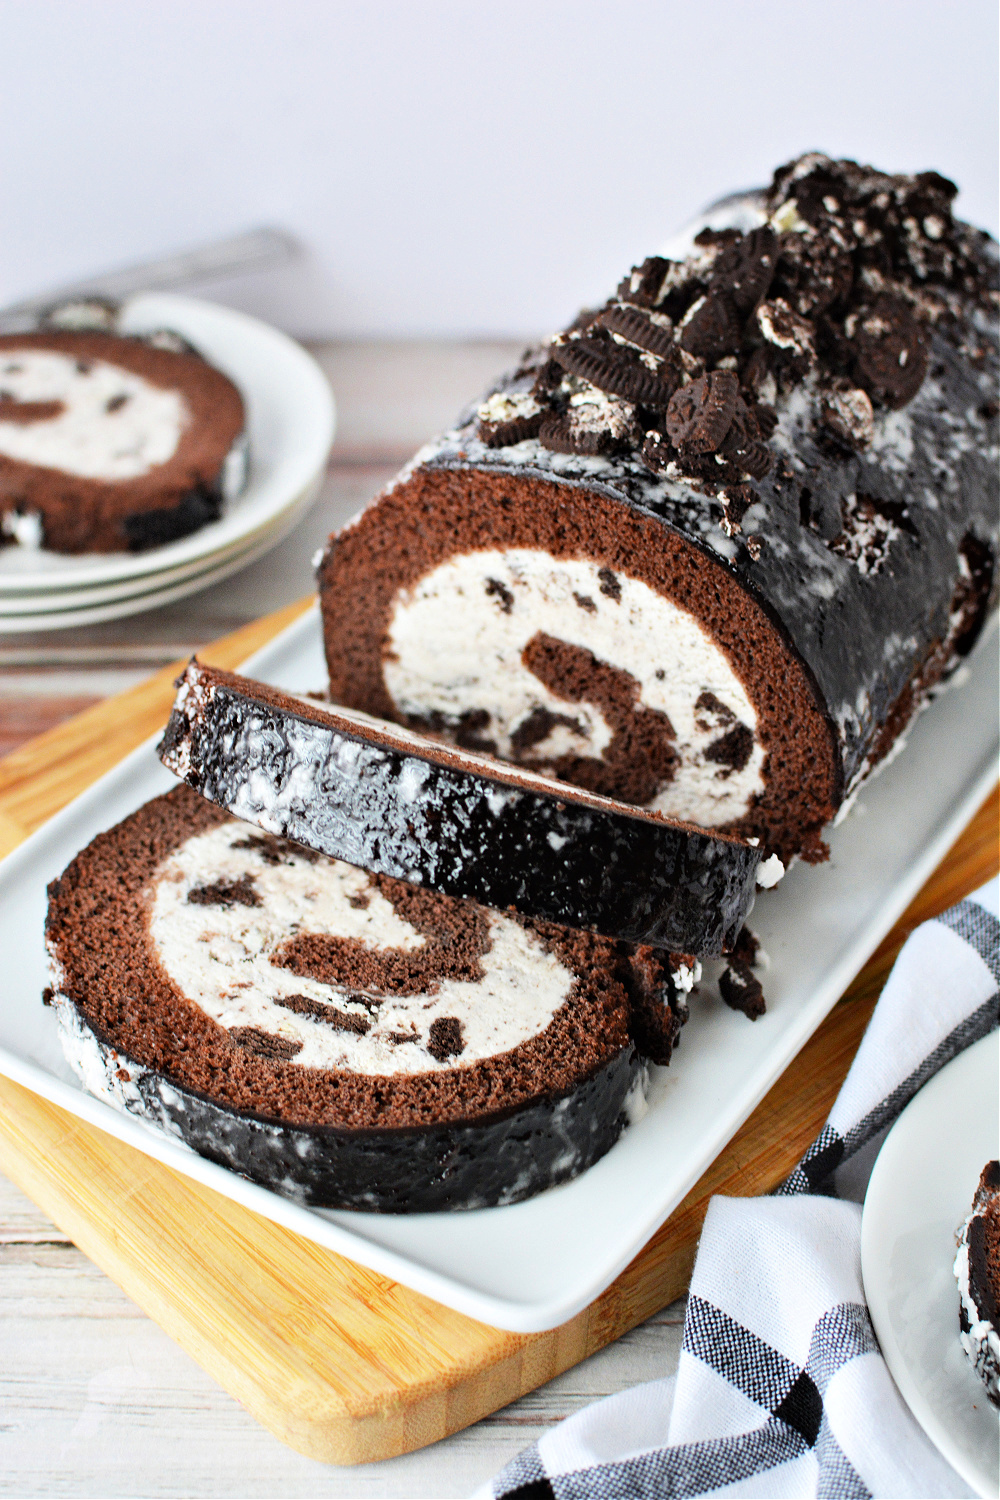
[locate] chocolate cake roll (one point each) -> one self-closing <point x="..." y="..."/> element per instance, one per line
<point x="977" y="1269"/>
<point x="343" y="1038"/>
<point x="404" y="805"/>
<point x="710" y="548"/>
<point x="112" y="444"/>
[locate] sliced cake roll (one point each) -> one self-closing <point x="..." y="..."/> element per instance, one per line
<point x="977" y="1270"/>
<point x="112" y="444"/>
<point x="344" y="1038"/>
<point x="710" y="548"/>
<point x="447" y="819"/>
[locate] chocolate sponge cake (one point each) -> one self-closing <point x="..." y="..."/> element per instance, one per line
<point x="711" y="547"/>
<point x="450" y="820"/>
<point x="977" y="1268"/>
<point x="343" y="1038"/>
<point x="112" y="444"/>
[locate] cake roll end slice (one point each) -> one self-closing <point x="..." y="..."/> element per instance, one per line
<point x="417" y="808"/>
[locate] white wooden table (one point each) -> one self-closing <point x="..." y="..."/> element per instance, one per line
<point x="95" y="1400"/>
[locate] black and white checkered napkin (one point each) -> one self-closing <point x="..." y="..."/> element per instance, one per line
<point x="781" y="1389"/>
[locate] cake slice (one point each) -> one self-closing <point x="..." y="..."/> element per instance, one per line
<point x="977" y="1269"/>
<point x="113" y="444"/>
<point x="346" y="1039"/>
<point x="710" y="548"/>
<point x="450" y="820"/>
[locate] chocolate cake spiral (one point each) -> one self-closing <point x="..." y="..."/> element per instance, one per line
<point x="343" y="1038"/>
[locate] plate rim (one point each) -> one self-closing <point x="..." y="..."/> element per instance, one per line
<point x="135" y="581"/>
<point x="132" y="595"/>
<point x="155" y="598"/>
<point x="880" y="1202"/>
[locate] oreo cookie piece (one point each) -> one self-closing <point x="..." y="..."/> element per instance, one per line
<point x="700" y="414"/>
<point x="814" y="272"/>
<point x="742" y="447"/>
<point x="591" y="423"/>
<point x="614" y="368"/>
<point x="644" y="283"/>
<point x="346" y="1040"/>
<point x="786" y="331"/>
<point x="710" y="328"/>
<point x="745" y="269"/>
<point x="891" y="358"/>
<point x="112" y="444"/>
<point x="404" y="805"/>
<point x="742" y="990"/>
<point x="846" y="412"/>
<point x="508" y="417"/>
<point x="658" y="454"/>
<point x="647" y="330"/>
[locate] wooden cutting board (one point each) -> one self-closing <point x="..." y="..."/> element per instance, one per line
<point x="338" y="1361"/>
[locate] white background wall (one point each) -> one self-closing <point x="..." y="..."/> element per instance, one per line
<point x="453" y="167"/>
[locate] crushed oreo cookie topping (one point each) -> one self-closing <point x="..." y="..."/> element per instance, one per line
<point x="836" y="291"/>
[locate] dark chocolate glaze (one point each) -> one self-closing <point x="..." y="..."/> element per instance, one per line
<point x="441" y="818"/>
<point x="153" y="528"/>
<point x="979" y="1305"/>
<point x="984" y="1270"/>
<point x="479" y="1163"/>
<point x="862" y="636"/>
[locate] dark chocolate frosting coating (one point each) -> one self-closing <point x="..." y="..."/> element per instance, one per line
<point x="154" y="528"/>
<point x="479" y="1163"/>
<point x="431" y="816"/>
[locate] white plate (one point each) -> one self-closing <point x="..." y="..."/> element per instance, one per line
<point x="920" y="1192"/>
<point x="290" y="426"/>
<point x="68" y="607"/>
<point x="24" y="600"/>
<point x="533" y="1265"/>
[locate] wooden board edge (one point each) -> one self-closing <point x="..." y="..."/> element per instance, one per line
<point x="290" y="1399"/>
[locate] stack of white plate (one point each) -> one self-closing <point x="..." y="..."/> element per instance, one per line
<point x="290" y="426"/>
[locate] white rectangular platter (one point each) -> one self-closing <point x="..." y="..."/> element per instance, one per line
<point x="532" y="1266"/>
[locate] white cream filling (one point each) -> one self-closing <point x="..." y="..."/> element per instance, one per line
<point x="114" y="424"/>
<point x="769" y="872"/>
<point x="685" y="979"/>
<point x="24" y="527"/>
<point x="219" y="957"/>
<point x="455" y="644"/>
